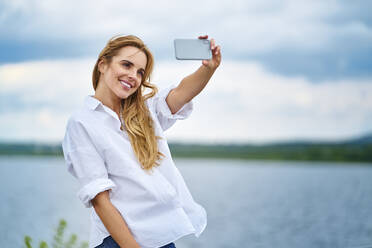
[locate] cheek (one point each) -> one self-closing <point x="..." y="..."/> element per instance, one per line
<point x="110" y="78"/>
<point x="117" y="72"/>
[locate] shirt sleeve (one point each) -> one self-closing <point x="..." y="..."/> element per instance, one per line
<point x="85" y="163"/>
<point x="162" y="111"/>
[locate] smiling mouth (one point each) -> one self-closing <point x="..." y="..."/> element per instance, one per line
<point x="125" y="84"/>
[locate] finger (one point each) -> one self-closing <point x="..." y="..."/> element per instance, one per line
<point x="205" y="62"/>
<point x="219" y="56"/>
<point x="215" y="50"/>
<point x="203" y="37"/>
<point x="218" y="49"/>
<point x="213" y="45"/>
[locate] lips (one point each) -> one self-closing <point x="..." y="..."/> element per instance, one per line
<point x="126" y="84"/>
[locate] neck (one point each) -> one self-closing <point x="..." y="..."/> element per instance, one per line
<point x="108" y="98"/>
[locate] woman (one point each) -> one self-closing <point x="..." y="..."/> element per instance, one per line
<point x="114" y="145"/>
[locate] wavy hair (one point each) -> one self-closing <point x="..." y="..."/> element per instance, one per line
<point x="134" y="112"/>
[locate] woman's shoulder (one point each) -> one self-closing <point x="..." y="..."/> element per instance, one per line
<point x="76" y="120"/>
<point x="80" y="116"/>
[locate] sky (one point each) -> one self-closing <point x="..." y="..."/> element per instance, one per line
<point x="290" y="70"/>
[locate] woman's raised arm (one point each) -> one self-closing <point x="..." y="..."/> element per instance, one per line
<point x="194" y="83"/>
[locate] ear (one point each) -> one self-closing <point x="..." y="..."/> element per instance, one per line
<point x="102" y="66"/>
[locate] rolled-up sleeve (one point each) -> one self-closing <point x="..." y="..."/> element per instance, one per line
<point x="164" y="114"/>
<point x="85" y="163"/>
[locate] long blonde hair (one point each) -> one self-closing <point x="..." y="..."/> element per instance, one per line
<point x="136" y="116"/>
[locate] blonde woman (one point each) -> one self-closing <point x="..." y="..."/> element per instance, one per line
<point x="114" y="145"/>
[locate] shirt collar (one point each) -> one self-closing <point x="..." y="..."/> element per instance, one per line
<point x="92" y="103"/>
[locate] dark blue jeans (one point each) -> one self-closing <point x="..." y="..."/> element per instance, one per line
<point x="109" y="242"/>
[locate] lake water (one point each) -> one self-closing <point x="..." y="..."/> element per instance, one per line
<point x="249" y="203"/>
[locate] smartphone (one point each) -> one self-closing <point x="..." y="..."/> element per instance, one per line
<point x="192" y="49"/>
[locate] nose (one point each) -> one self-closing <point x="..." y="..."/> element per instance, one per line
<point x="132" y="74"/>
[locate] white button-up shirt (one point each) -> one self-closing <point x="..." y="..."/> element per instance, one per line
<point x="157" y="207"/>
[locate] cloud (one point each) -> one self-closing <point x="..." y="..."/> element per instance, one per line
<point x="319" y="40"/>
<point x="242" y="103"/>
<point x="40" y="83"/>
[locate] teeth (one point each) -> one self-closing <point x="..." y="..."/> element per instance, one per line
<point x="125" y="84"/>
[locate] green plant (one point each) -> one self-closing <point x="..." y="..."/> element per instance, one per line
<point x="58" y="241"/>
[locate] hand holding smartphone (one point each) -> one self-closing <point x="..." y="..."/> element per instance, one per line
<point x="192" y="49"/>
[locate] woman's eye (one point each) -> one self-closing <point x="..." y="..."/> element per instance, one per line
<point x="141" y="73"/>
<point x="126" y="64"/>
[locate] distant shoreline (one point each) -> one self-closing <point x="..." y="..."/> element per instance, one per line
<point x="298" y="151"/>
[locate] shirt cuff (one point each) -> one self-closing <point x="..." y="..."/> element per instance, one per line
<point x="89" y="191"/>
<point x="181" y="114"/>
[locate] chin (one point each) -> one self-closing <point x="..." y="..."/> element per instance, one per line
<point x="125" y="95"/>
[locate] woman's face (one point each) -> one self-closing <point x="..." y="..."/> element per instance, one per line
<point x="123" y="75"/>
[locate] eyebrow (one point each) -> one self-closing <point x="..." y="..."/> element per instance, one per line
<point x="132" y="64"/>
